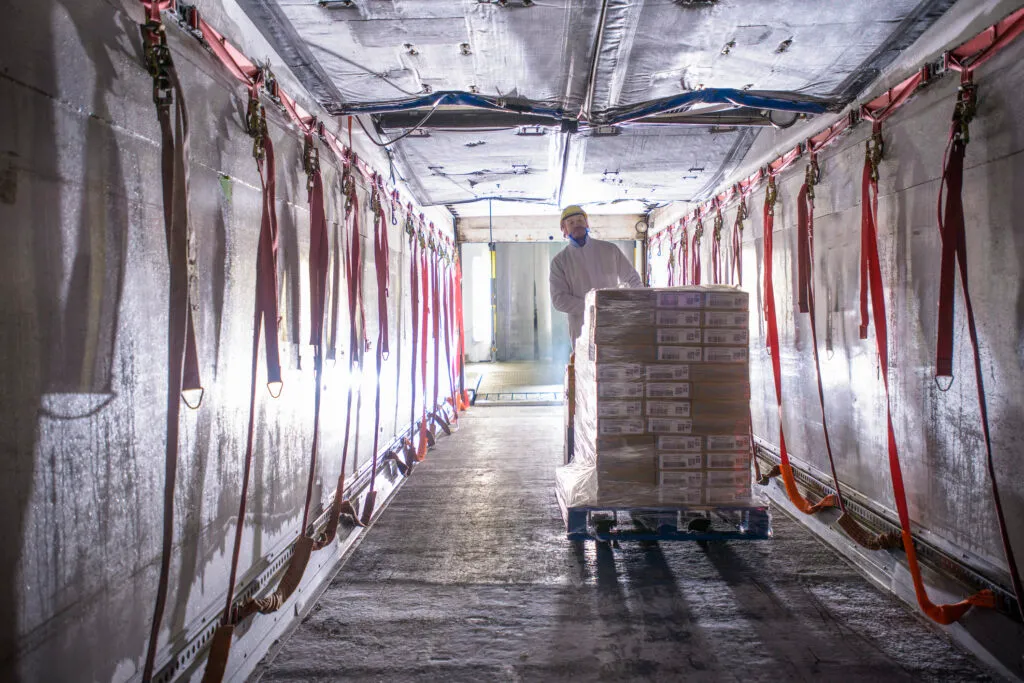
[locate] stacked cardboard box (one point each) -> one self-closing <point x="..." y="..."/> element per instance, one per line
<point x="663" y="395"/>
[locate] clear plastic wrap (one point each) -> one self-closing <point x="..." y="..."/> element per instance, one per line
<point x="654" y="428"/>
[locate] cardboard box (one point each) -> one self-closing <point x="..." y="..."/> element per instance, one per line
<point x="680" y="354"/>
<point x="725" y="337"/>
<point x="667" y="390"/>
<point x="727" y="461"/>
<point x="677" y="318"/>
<point x="736" y="299"/>
<point x="667" y="408"/>
<point x="683" y="479"/>
<point x="619" y="408"/>
<point x="678" y="335"/>
<point x="726" y="354"/>
<point x="680" y="461"/>
<point x="727" y="478"/>
<point x="678" y="298"/>
<point x="729" y="442"/>
<point x="726" y="319"/>
<point x="687" y="444"/>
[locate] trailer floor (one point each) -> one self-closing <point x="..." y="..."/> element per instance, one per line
<point x="467" y="576"/>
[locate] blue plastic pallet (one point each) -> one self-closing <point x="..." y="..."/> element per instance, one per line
<point x="668" y="523"/>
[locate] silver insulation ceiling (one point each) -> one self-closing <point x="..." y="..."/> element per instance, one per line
<point x="578" y="64"/>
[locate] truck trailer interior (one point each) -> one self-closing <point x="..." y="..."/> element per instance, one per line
<point x="285" y="396"/>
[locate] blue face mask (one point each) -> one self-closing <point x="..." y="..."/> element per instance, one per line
<point x="580" y="242"/>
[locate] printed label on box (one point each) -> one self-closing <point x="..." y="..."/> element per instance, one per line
<point x="620" y="389"/>
<point x="725" y="354"/>
<point x="729" y="442"/>
<point x="727" y="478"/>
<point x="679" y="335"/>
<point x="726" y="319"/>
<point x="668" y="408"/>
<point x="620" y="427"/>
<point x="668" y="390"/>
<point x="726" y="336"/>
<point x="728" y="461"/>
<point x="619" y="409"/>
<point x="619" y="372"/>
<point x="681" y="318"/>
<point x="681" y="478"/>
<point x="683" y="444"/>
<point x="668" y="426"/>
<point x="667" y="373"/>
<point x="684" y="354"/>
<point x="730" y="300"/>
<point x="679" y="300"/>
<point x="680" y="461"/>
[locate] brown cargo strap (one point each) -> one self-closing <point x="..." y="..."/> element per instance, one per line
<point x="183" y="382"/>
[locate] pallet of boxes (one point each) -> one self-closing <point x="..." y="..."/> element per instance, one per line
<point x="662" y="416"/>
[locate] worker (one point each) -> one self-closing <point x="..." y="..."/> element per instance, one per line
<point x="585" y="264"/>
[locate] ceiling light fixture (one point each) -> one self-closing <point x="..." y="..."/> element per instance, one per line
<point x="600" y="131"/>
<point x="337" y="4"/>
<point x="783" y="46"/>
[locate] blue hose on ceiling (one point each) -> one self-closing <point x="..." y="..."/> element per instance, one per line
<point x="740" y="98"/>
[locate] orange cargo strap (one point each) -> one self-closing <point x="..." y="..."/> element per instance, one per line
<point x="871" y="270"/>
<point x="785" y="468"/>
<point x="805" y="297"/>
<point x="183" y="382"/>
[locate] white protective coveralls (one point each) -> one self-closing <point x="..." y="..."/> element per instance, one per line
<point x="577" y="270"/>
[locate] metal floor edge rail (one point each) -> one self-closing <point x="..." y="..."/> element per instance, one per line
<point x="184" y="657"/>
<point x="933" y="557"/>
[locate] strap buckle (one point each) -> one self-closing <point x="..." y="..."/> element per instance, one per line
<point x="158" y="62"/>
<point x="771" y="195"/>
<point x="719" y="222"/>
<point x="310" y="161"/>
<point x="811" y="175"/>
<point x="348" y="188"/>
<point x="741" y="212"/>
<point x="256" y="125"/>
<point x="964" y="111"/>
<point x="873" y="150"/>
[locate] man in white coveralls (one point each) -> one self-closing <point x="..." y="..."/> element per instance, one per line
<point x="585" y="264"/>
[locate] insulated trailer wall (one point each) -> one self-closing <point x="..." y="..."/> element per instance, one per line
<point x="938" y="430"/>
<point x="84" y="350"/>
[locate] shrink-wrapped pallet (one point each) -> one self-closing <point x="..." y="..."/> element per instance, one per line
<point x="662" y="402"/>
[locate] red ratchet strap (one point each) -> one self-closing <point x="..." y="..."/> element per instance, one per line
<point x="381" y="256"/>
<point x="436" y="411"/>
<point x="265" y="315"/>
<point x="716" y="243"/>
<point x="785" y="468"/>
<point x="698" y="233"/>
<point x="683" y="262"/>
<point x="943" y="614"/>
<point x="671" y="260"/>
<point x="462" y="333"/>
<point x="421" y="449"/>
<point x="737" y="240"/>
<point x="954" y="247"/>
<point x="450" y="329"/>
<point x="414" y="279"/>
<point x="182" y="357"/>
<point x="319" y="254"/>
